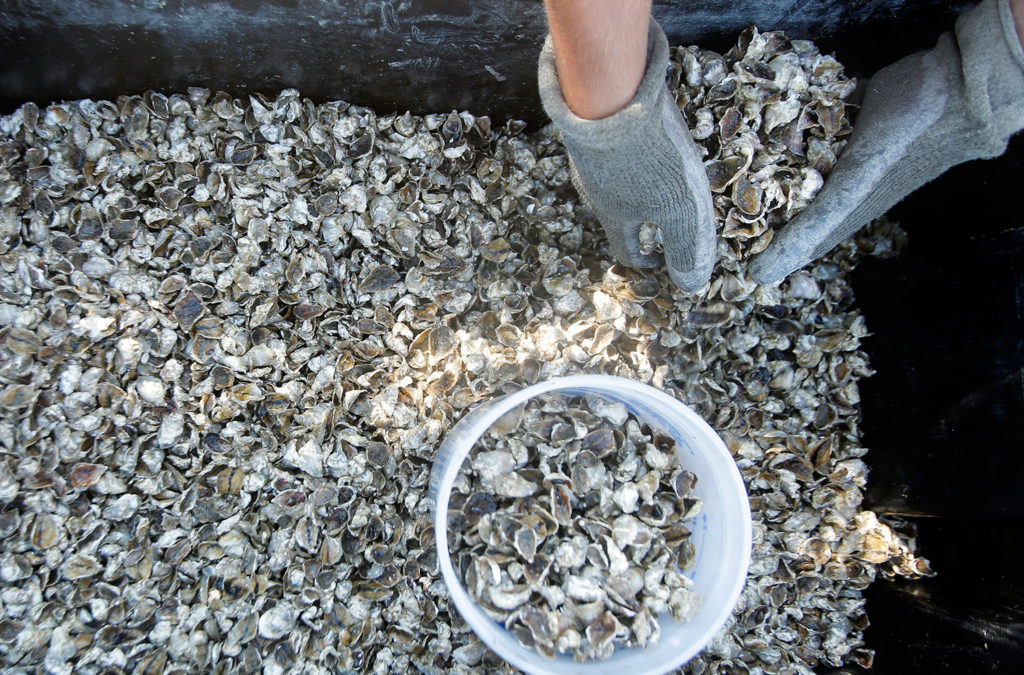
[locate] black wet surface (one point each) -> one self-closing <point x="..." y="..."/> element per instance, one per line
<point x="420" y="55"/>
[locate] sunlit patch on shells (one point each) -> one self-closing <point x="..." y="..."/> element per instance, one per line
<point x="233" y="333"/>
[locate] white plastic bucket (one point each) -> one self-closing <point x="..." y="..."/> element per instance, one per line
<point x="721" y="533"/>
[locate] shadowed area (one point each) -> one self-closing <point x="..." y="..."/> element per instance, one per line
<point x="421" y="55"/>
<point x="942" y="418"/>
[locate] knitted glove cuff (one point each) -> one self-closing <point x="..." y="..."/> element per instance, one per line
<point x="620" y="129"/>
<point x="992" y="67"/>
<point x="1010" y="33"/>
<point x="990" y="48"/>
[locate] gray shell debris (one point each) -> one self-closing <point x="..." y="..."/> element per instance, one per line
<point x="770" y="117"/>
<point x="234" y="331"/>
<point x="568" y="524"/>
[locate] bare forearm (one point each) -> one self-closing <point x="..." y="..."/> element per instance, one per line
<point x="600" y="52"/>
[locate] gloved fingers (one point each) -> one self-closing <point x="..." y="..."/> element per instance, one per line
<point x="624" y="241"/>
<point x="880" y="165"/>
<point x="792" y="247"/>
<point x="845" y="204"/>
<point x="691" y="248"/>
<point x="859" y="190"/>
<point x="689" y="234"/>
<point x="692" y="280"/>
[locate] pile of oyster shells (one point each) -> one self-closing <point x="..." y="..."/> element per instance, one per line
<point x="234" y="331"/>
<point x="771" y="118"/>
<point x="568" y="524"/>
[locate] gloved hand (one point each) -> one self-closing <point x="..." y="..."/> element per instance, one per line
<point x="640" y="165"/>
<point x="922" y="115"/>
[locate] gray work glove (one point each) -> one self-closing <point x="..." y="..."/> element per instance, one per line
<point x="640" y="165"/>
<point x="922" y="115"/>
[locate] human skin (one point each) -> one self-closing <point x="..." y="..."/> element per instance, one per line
<point x="600" y="52"/>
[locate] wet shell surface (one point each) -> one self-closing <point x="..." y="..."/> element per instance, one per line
<point x="233" y="332"/>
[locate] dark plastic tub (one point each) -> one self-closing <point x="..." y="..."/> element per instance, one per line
<point x="943" y="418"/>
